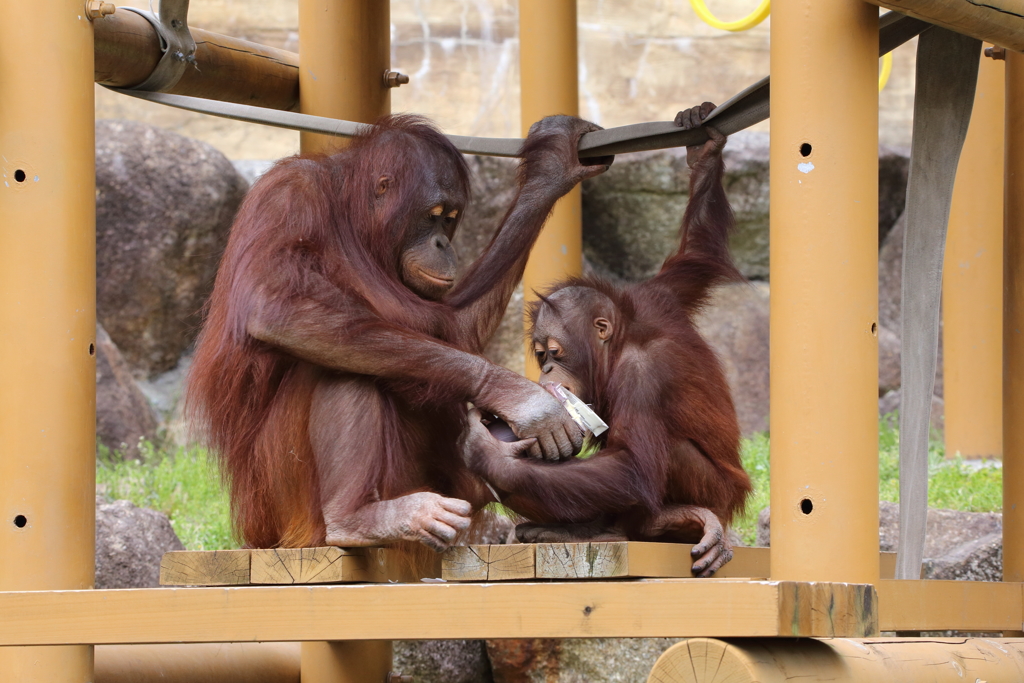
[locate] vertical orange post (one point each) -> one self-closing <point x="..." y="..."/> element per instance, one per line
<point x="345" y="48"/>
<point x="47" y="320"/>
<point x="1013" y="324"/>
<point x="824" y="304"/>
<point x="549" y="85"/>
<point x="972" y="280"/>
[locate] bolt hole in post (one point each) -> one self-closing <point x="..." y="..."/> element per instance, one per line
<point x="20" y="521"/>
<point x="806" y="506"/>
<point x="805" y="149"/>
<point x="19" y="176"/>
<point x="92" y="349"/>
<point x="874" y="328"/>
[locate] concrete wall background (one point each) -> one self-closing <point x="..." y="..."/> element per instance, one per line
<point x="641" y="60"/>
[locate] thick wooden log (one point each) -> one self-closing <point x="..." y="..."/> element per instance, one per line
<point x="226" y="69"/>
<point x="997" y="21"/>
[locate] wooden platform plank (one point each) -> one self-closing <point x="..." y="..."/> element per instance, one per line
<point x="489" y="563"/>
<point x="308" y="565"/>
<point x="512" y="562"/>
<point x="562" y="561"/>
<point x="467" y="562"/>
<point x="293" y="566"/>
<point x="928" y="605"/>
<point x="632" y="559"/>
<point x="550" y="609"/>
<point x="208" y="568"/>
<point x="582" y="560"/>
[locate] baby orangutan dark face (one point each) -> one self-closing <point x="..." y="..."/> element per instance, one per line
<point x="571" y="336"/>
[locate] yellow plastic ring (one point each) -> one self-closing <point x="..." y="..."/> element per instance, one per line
<point x="749" y="21"/>
<point x="883" y="77"/>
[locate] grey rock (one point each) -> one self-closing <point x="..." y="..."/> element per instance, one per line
<point x="575" y="660"/>
<point x="946" y="530"/>
<point x="888" y="526"/>
<point x="442" y="661"/>
<point x="888" y="360"/>
<point x="632" y="213"/>
<point x="893" y="169"/>
<point x="123" y="415"/>
<point x="890" y="276"/>
<point x="746" y="186"/>
<point x="736" y="326"/>
<point x="890" y="281"/>
<point x="164" y="392"/>
<point x="958" y="545"/>
<point x="891" y="402"/>
<point x="164" y="204"/>
<point x="493" y="189"/>
<point x="129" y="544"/>
<point x="764" y="528"/>
<point x="977" y="560"/>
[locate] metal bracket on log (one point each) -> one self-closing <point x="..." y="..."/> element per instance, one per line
<point x="176" y="42"/>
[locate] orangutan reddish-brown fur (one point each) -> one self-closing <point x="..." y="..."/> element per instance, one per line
<point x="669" y="466"/>
<point x="337" y="356"/>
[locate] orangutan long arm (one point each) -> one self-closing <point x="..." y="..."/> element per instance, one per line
<point x="319" y="328"/>
<point x="481" y="297"/>
<point x="550" y="169"/>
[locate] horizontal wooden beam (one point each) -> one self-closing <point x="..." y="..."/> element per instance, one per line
<point x="950" y="605"/>
<point x="646" y="608"/>
<point x="227" y="69"/>
<point x="997" y="21"/>
<point x="626" y="609"/>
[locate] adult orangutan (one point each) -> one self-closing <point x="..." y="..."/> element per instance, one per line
<point x="669" y="467"/>
<point x="337" y="356"/>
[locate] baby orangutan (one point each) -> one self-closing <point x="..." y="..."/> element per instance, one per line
<point x="668" y="468"/>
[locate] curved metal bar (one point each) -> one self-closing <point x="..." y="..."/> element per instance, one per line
<point x="742" y="110"/>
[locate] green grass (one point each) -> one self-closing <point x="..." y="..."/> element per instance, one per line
<point x="184" y="485"/>
<point x="952" y="484"/>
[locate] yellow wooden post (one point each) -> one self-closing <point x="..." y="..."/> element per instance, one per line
<point x="972" y="287"/>
<point x="47" y="319"/>
<point x="345" y="51"/>
<point x="824" y="304"/>
<point x="549" y="85"/>
<point x="1013" y="324"/>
